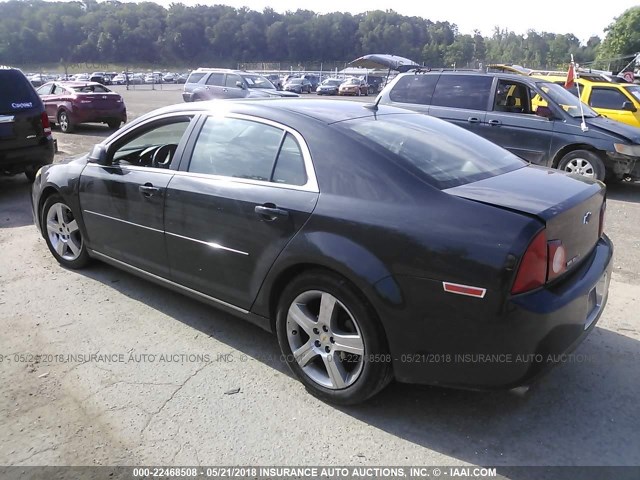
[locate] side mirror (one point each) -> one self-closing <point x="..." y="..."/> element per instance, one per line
<point x="98" y="155"/>
<point x="629" y="107"/>
<point x="544" y="112"/>
<point x="240" y="85"/>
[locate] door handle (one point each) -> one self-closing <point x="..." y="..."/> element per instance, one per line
<point x="270" y="212"/>
<point x="495" y="122"/>
<point x="148" y="190"/>
<point x="473" y="120"/>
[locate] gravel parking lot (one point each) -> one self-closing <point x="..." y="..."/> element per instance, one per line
<point x="181" y="383"/>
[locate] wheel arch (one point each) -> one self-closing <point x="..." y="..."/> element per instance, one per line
<point x="353" y="262"/>
<point x="571" y="148"/>
<point x="46" y="193"/>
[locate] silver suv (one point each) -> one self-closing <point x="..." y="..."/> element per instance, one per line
<point x="210" y="83"/>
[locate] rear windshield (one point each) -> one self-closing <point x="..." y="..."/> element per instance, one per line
<point x="195" y="77"/>
<point x="90" y="89"/>
<point x="442" y="153"/>
<point x="16" y="93"/>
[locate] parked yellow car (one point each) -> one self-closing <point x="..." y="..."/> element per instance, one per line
<point x="617" y="101"/>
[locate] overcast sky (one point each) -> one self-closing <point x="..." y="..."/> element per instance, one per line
<point x="582" y="18"/>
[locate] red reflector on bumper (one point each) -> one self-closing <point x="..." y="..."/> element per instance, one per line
<point x="464" y="289"/>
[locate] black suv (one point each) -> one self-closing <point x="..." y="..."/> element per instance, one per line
<point x="537" y="120"/>
<point x="25" y="134"/>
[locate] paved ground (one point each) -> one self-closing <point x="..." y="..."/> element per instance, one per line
<point x="135" y="407"/>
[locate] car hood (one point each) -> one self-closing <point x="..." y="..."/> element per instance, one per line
<point x="265" y="92"/>
<point x="612" y="127"/>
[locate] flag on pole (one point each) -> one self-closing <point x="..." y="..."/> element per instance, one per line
<point x="571" y="74"/>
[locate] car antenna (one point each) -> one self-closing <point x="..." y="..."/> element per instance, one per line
<point x="373" y="106"/>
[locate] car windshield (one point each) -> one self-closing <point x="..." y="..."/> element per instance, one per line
<point x="353" y="81"/>
<point x="442" y="153"/>
<point x="635" y="91"/>
<point x="332" y="83"/>
<point x="295" y="81"/>
<point x="258" y="81"/>
<point x="566" y="100"/>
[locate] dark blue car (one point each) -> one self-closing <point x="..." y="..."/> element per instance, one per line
<point x="375" y="242"/>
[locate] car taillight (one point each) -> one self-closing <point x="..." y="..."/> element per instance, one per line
<point x="557" y="259"/>
<point x="46" y="126"/>
<point x="603" y="210"/>
<point x="532" y="272"/>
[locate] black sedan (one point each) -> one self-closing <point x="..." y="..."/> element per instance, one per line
<point x="375" y="242"/>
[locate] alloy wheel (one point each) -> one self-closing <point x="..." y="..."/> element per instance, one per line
<point x="325" y="339"/>
<point x="580" y="166"/>
<point x="63" y="232"/>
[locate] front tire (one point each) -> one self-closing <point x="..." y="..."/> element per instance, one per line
<point x="62" y="233"/>
<point x="583" y="162"/>
<point x="331" y="339"/>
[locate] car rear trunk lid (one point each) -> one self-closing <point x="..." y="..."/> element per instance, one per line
<point x="569" y="206"/>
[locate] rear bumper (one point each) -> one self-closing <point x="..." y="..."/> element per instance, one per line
<point x="16" y="160"/>
<point x="491" y="344"/>
<point x="187" y="96"/>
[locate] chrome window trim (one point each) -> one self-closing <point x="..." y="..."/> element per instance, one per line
<point x="312" y="181"/>
<point x="165" y="171"/>
<point x="126" y="130"/>
<point x="169" y="282"/>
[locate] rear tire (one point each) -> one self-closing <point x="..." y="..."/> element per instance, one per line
<point x="583" y="162"/>
<point x="65" y="122"/>
<point x="341" y="350"/>
<point x="114" y="124"/>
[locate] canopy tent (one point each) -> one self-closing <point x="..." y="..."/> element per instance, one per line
<point x="386" y="61"/>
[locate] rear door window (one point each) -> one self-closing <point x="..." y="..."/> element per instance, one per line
<point x="216" y="79"/>
<point x="414" y="89"/>
<point x="463" y="91"/>
<point x="16" y="93"/>
<point x="233" y="147"/>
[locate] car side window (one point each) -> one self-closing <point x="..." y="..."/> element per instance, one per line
<point x="462" y="91"/>
<point x="232" y="79"/>
<point x="607" y="98"/>
<point x="234" y="147"/>
<point x="414" y="89"/>
<point x="512" y="97"/>
<point x="290" y="163"/>
<point x="216" y="79"/>
<point x="154" y="147"/>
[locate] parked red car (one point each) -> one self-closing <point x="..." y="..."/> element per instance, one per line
<point x="71" y="103"/>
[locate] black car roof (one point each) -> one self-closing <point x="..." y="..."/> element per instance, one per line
<point x="325" y="111"/>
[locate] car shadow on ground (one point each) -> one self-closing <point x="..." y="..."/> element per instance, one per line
<point x="584" y="412"/>
<point x="15" y="202"/>
<point x="624" y="191"/>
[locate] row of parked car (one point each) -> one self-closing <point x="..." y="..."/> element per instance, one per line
<point x="210" y="83"/>
<point x="111" y="78"/>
